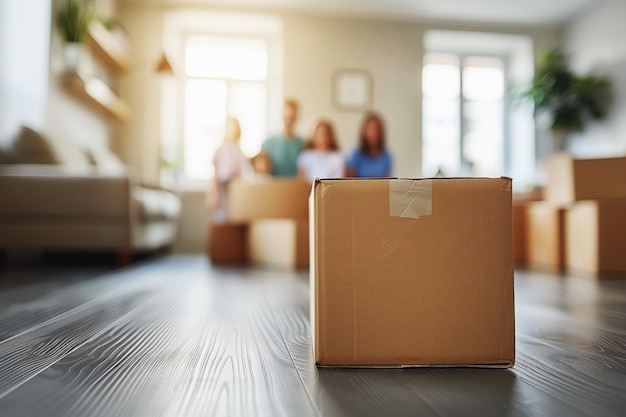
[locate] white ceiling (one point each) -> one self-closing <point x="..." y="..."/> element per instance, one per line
<point x="525" y="12"/>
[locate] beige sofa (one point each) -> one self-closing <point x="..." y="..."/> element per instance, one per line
<point x="54" y="195"/>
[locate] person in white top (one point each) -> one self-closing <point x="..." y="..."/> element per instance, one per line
<point x="321" y="157"/>
<point x="230" y="163"/>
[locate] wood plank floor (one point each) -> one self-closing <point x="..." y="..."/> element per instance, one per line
<point x="177" y="337"/>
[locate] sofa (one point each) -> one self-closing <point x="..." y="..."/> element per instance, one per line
<point x="55" y="195"/>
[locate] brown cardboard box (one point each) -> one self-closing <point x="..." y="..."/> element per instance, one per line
<point x="596" y="237"/>
<point x="412" y="272"/>
<point x="572" y="180"/>
<point x="520" y="213"/>
<point x="227" y="243"/>
<point x="279" y="242"/>
<point x="546" y="236"/>
<point x="267" y="198"/>
<point x="520" y="225"/>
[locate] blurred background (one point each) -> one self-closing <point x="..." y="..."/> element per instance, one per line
<point x="149" y="84"/>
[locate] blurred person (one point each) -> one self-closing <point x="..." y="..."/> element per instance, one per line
<point x="321" y="158"/>
<point x="230" y="163"/>
<point x="284" y="148"/>
<point x="371" y="158"/>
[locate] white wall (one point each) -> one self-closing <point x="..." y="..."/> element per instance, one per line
<point x="596" y="42"/>
<point x="24" y="43"/>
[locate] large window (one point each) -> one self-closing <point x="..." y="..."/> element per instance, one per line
<point x="224" y="76"/>
<point x="463" y="115"/>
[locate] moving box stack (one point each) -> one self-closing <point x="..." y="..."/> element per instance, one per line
<point x="412" y="272"/>
<point x="267" y="224"/>
<point x="581" y="225"/>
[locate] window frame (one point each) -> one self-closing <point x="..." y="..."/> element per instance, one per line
<point x="183" y="78"/>
<point x="506" y="102"/>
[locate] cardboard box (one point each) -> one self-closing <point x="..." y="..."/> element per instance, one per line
<point x="267" y="198"/>
<point x="520" y="225"/>
<point x="412" y="272"/>
<point x="546" y="236"/>
<point x="596" y="237"/>
<point x="227" y="243"/>
<point x="279" y="243"/>
<point x="571" y="180"/>
<point x="520" y="213"/>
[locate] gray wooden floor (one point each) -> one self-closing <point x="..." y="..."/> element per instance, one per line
<point x="176" y="337"/>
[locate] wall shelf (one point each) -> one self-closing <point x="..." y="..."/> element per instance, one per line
<point x="99" y="95"/>
<point x="108" y="48"/>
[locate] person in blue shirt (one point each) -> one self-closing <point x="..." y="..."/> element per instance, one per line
<point x="371" y="158"/>
<point x="283" y="149"/>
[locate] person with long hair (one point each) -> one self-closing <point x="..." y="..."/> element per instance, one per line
<point x="321" y="158"/>
<point x="371" y="158"/>
<point x="229" y="163"/>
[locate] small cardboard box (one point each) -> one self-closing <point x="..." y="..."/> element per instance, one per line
<point x="571" y="180"/>
<point x="411" y="272"/>
<point x="596" y="237"/>
<point x="227" y="243"/>
<point x="279" y="243"/>
<point x="520" y="214"/>
<point x="546" y="236"/>
<point x="267" y="198"/>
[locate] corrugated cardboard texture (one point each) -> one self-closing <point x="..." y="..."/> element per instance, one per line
<point x="546" y="236"/>
<point x="395" y="291"/>
<point x="572" y="180"/>
<point x="267" y="199"/>
<point x="596" y="237"/>
<point x="227" y="244"/>
<point x="279" y="243"/>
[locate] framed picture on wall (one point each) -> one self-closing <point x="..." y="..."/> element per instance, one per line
<point x="352" y="89"/>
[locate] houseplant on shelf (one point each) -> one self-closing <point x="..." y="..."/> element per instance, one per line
<point x="570" y="100"/>
<point x="73" y="19"/>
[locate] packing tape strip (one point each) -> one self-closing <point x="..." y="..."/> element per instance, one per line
<point x="410" y="198"/>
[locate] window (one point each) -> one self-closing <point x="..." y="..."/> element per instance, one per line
<point x="463" y="115"/>
<point x="224" y="76"/>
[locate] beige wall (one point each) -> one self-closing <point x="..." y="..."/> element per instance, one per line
<point x="596" y="44"/>
<point x="138" y="140"/>
<point x="315" y="48"/>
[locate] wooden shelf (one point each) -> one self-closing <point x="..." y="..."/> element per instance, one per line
<point x="108" y="48"/>
<point x="96" y="93"/>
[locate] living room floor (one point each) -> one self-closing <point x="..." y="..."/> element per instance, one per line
<point x="177" y="337"/>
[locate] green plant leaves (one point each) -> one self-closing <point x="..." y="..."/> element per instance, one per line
<point x="73" y="19"/>
<point x="570" y="99"/>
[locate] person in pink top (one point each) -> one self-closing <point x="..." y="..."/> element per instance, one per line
<point x="229" y="163"/>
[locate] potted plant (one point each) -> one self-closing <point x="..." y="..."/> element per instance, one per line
<point x="569" y="99"/>
<point x="73" y="20"/>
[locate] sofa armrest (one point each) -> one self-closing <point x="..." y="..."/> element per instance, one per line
<point x="56" y="191"/>
<point x="158" y="187"/>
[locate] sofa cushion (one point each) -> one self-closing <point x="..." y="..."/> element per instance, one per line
<point x="70" y="154"/>
<point x="4" y="158"/>
<point x="156" y="204"/>
<point x="106" y="161"/>
<point x="31" y="147"/>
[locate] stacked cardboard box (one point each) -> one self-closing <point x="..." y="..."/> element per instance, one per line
<point x="267" y="224"/>
<point x="521" y="204"/>
<point x="412" y="272"/>
<point x="581" y="227"/>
